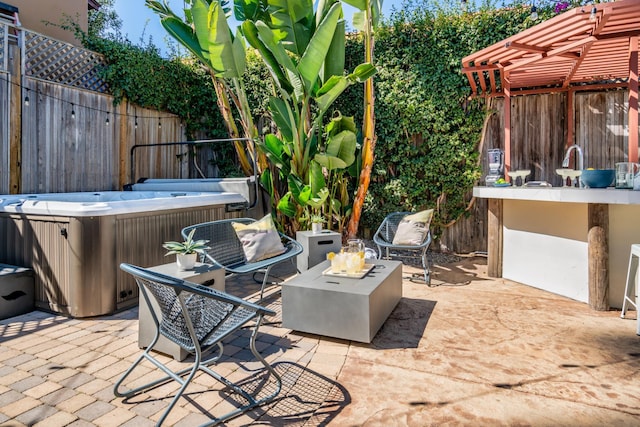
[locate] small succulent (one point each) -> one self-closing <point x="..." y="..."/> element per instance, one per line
<point x="317" y="218"/>
<point x="189" y="246"/>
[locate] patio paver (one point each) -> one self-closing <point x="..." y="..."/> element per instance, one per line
<point x="471" y="351"/>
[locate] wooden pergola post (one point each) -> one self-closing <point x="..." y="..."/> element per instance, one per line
<point x="598" y="254"/>
<point x="571" y="95"/>
<point x="507" y="131"/>
<point x="494" y="239"/>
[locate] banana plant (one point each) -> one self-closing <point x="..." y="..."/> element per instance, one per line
<point x="304" y="53"/>
<point x="301" y="55"/>
<point x="206" y="34"/>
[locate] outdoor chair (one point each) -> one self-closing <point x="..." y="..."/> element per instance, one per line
<point x="198" y="318"/>
<point x="387" y="249"/>
<point x="226" y="249"/>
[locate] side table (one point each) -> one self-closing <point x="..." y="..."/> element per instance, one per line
<point x="316" y="246"/>
<point x="203" y="274"/>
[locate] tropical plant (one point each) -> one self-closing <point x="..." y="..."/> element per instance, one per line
<point x="189" y="246"/>
<point x="304" y="53"/>
<point x="206" y="34"/>
<point x="305" y="57"/>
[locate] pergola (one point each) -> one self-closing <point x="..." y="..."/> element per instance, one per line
<point x="594" y="47"/>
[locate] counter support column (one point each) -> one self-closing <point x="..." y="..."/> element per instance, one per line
<point x="598" y="254"/>
<point x="494" y="237"/>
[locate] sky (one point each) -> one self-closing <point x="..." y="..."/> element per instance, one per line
<point x="139" y="22"/>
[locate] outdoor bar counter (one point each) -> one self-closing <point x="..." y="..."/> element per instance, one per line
<point x="573" y="242"/>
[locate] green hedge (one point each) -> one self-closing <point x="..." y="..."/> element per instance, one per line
<point x="427" y="129"/>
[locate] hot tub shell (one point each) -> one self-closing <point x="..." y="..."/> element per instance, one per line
<point x="76" y="258"/>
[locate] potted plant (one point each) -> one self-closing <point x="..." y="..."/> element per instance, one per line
<point x="187" y="251"/>
<point x="316" y="223"/>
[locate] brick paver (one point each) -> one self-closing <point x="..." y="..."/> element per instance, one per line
<point x="20" y="406"/>
<point x="59" y="419"/>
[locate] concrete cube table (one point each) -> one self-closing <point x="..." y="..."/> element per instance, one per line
<point x="340" y="307"/>
<point x="316" y="246"/>
<point x="203" y="274"/>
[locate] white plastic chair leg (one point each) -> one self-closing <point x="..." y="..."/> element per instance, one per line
<point x="630" y="286"/>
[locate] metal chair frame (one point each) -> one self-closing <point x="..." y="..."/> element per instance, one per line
<point x="383" y="238"/>
<point x="225" y="249"/>
<point x="196" y="318"/>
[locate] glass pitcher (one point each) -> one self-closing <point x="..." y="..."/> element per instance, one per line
<point x="356" y="247"/>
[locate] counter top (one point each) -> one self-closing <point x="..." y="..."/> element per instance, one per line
<point x="608" y="195"/>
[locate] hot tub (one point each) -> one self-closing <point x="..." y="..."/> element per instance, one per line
<point x="75" y="242"/>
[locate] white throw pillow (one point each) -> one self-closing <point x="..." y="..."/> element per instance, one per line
<point x="413" y="228"/>
<point x="260" y="240"/>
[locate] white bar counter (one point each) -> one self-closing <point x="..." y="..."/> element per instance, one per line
<point x="573" y="242"/>
<point x="610" y="196"/>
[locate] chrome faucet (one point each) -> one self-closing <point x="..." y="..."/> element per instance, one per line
<point x="579" y="162"/>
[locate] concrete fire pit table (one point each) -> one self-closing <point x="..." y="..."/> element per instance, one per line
<point x="342" y="307"/>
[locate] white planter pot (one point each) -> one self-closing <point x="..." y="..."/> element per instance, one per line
<point x="186" y="261"/>
<point x="316" y="227"/>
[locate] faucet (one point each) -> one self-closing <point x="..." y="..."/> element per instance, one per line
<point x="579" y="162"/>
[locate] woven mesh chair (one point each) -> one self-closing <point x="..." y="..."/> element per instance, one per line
<point x="225" y="249"/>
<point x="197" y="318"/>
<point x="386" y="249"/>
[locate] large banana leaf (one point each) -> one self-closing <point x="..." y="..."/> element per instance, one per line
<point x="316" y="178"/>
<point x="250" y="10"/>
<point x="334" y="87"/>
<point x="330" y="162"/>
<point x="319" y="199"/>
<point x="268" y="37"/>
<point x="200" y="14"/>
<point x="185" y="35"/>
<point x="280" y="113"/>
<point x="340" y="152"/>
<point x="250" y="32"/>
<point x="226" y="56"/>
<point x="343" y="146"/>
<point x="277" y="152"/>
<point x="334" y="62"/>
<point x="300" y="192"/>
<point x="293" y="22"/>
<point x="286" y="206"/>
<point x="316" y="52"/>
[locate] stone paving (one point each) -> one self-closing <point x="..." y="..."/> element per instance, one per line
<point x="468" y="351"/>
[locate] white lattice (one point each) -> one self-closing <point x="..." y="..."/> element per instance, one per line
<point x="63" y="63"/>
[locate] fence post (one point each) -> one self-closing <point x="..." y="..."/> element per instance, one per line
<point x="123" y="152"/>
<point x="15" y="120"/>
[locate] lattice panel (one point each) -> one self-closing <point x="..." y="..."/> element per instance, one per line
<point x="62" y="63"/>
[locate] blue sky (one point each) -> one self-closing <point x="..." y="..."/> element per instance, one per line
<point x="139" y="22"/>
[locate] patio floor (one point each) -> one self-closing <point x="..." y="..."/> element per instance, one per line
<point x="470" y="351"/>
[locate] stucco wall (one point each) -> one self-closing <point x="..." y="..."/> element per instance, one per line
<point x="34" y="16"/>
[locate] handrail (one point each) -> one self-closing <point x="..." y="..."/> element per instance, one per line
<point x="203" y="141"/>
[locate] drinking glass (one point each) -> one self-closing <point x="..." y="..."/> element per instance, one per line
<point x="353" y="263"/>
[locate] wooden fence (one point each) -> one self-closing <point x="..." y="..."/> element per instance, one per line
<point x="60" y="132"/>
